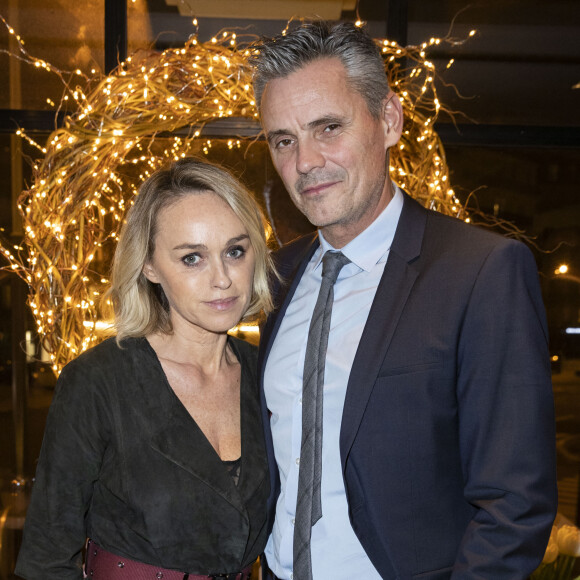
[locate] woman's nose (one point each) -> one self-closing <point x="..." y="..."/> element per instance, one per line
<point x="220" y="277"/>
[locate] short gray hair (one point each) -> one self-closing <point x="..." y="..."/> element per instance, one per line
<point x="280" y="56"/>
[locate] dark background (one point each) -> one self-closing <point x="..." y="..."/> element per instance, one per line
<point x="514" y="142"/>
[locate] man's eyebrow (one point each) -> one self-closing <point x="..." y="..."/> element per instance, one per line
<point x="277" y="133"/>
<point x="326" y="120"/>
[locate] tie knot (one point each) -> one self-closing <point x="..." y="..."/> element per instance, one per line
<point x="332" y="263"/>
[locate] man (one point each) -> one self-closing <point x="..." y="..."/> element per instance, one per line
<point x="437" y="453"/>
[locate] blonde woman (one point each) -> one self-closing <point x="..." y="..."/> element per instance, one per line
<point x="154" y="450"/>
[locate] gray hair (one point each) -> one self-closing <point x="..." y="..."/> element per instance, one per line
<point x="280" y="56"/>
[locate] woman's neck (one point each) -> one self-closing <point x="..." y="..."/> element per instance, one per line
<point x="208" y="351"/>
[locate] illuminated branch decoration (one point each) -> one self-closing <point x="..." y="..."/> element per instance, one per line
<point x="93" y="165"/>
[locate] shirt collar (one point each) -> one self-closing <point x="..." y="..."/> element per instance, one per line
<point x="367" y="249"/>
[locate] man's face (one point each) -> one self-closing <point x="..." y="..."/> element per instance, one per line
<point x="328" y="149"/>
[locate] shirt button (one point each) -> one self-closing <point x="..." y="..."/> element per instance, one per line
<point x="291" y="576"/>
<point x="298" y="461"/>
<point x="300" y="400"/>
<point x="293" y="521"/>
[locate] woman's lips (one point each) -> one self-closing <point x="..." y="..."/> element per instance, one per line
<point x="222" y="303"/>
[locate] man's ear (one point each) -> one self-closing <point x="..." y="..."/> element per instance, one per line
<point x="150" y="273"/>
<point x="393" y="119"/>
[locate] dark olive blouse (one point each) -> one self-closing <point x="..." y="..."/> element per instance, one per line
<point x="124" y="463"/>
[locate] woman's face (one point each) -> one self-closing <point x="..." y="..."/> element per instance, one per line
<point x="204" y="261"/>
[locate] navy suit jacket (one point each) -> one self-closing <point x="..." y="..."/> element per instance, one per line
<point x="448" y="435"/>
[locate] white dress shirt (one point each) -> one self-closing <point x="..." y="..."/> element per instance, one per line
<point x="336" y="551"/>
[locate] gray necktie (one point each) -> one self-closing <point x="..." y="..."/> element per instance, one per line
<point x="309" y="507"/>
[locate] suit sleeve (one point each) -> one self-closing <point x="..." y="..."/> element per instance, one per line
<point x="74" y="443"/>
<point x="506" y="420"/>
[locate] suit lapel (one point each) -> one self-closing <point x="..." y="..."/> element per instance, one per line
<point x="392" y="293"/>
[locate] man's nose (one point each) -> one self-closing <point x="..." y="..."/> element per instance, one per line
<point x="309" y="156"/>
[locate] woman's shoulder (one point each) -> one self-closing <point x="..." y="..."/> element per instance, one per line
<point x="106" y="358"/>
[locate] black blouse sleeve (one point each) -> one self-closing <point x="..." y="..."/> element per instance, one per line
<point x="75" y="440"/>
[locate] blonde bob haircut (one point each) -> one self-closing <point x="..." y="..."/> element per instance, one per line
<point x="140" y="306"/>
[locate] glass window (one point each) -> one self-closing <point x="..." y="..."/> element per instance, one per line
<point x="68" y="34"/>
<point x="520" y="68"/>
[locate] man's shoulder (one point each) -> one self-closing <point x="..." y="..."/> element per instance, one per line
<point x="457" y="229"/>
<point x="293" y="252"/>
<point x="442" y="235"/>
<point x="452" y="227"/>
<point x="299" y="244"/>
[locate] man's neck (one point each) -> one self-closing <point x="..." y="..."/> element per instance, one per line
<point x="339" y="235"/>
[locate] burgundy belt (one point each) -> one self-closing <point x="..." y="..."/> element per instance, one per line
<point x="104" y="565"/>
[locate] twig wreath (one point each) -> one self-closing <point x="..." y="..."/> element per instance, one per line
<point x="92" y="166"/>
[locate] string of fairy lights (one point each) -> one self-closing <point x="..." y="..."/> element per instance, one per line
<point x="116" y="136"/>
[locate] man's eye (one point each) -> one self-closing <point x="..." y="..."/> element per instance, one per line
<point x="283" y="143"/>
<point x="191" y="259"/>
<point x="332" y="127"/>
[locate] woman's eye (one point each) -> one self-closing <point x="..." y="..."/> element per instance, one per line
<point x="191" y="259"/>
<point x="236" y="252"/>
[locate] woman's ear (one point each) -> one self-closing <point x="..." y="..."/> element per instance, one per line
<point x="393" y="119"/>
<point x="150" y="273"/>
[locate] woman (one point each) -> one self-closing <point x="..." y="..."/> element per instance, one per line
<point x="154" y="448"/>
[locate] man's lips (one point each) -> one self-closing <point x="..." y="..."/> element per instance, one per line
<point x="222" y="303"/>
<point x="318" y="188"/>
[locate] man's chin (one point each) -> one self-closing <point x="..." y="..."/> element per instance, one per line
<point x="320" y="219"/>
<point x="319" y="222"/>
